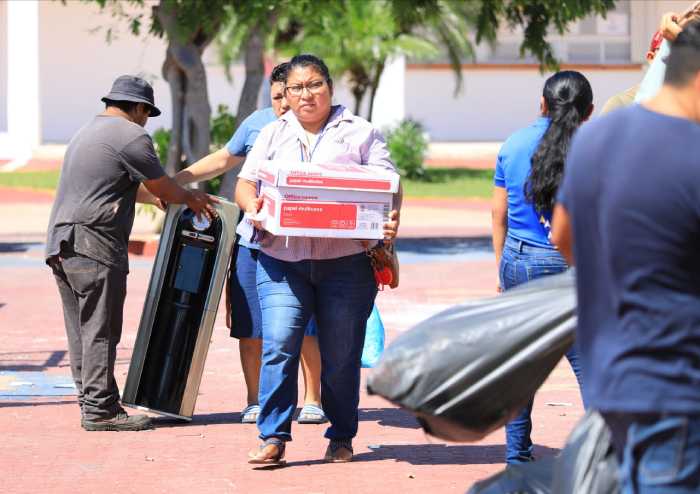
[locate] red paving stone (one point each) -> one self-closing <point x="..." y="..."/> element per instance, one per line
<point x="448" y="203"/>
<point x="10" y="195"/>
<point x="488" y="163"/>
<point x="44" y="449"/>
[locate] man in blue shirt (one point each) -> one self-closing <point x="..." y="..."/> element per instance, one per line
<point x="629" y="214"/>
<point x="243" y="315"/>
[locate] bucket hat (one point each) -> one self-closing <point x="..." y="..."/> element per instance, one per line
<point x="132" y="88"/>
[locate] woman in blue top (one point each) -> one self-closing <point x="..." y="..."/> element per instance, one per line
<point x="528" y="172"/>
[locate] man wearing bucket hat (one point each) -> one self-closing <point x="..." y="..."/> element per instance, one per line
<point x="88" y="234"/>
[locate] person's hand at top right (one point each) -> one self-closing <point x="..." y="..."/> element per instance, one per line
<point x="670" y="26"/>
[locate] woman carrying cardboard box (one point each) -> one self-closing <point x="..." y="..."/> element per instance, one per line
<point x="300" y="277"/>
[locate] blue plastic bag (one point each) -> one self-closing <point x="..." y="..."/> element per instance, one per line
<point x="374" y="340"/>
<point x="654" y="78"/>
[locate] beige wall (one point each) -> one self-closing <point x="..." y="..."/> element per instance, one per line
<point x="77" y="67"/>
<point x="494" y="102"/>
<point x="3" y="67"/>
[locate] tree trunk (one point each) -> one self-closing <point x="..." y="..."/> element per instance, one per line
<point x="378" y="69"/>
<point x="176" y="80"/>
<point x="187" y="78"/>
<point x="359" y="82"/>
<point x="248" y="102"/>
<point x="197" y="112"/>
<point x="358" y="93"/>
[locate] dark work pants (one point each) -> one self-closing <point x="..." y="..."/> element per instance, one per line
<point x="93" y="302"/>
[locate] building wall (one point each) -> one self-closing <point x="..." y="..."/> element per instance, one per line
<point x="3" y="67"/>
<point x="77" y="67"/>
<point x="494" y="101"/>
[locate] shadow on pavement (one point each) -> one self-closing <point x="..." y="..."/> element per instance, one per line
<point x="444" y="245"/>
<point x="443" y="454"/>
<point x="389" y="417"/>
<point x="431" y="454"/>
<point x="13" y="404"/>
<point x="12" y="247"/>
<point x="200" y="419"/>
<point x="53" y="360"/>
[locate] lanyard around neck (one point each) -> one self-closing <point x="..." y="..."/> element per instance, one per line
<point x="318" y="140"/>
<point x="311" y="151"/>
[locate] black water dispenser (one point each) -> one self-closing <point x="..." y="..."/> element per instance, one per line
<point x="180" y="309"/>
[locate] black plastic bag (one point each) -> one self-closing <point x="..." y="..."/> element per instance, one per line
<point x="586" y="465"/>
<point x="534" y="477"/>
<point x="468" y="370"/>
<point x="588" y="462"/>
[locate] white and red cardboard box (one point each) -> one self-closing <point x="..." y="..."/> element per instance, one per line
<point x="326" y="200"/>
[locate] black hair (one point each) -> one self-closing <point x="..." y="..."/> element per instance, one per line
<point x="568" y="96"/>
<point x="683" y="63"/>
<point x="279" y="73"/>
<point x="308" y="60"/>
<point x="125" y="106"/>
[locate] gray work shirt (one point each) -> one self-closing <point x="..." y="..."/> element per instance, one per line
<point x="94" y="208"/>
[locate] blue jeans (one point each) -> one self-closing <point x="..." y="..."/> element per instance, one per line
<point x="521" y="263"/>
<point x="246" y="318"/>
<point x="340" y="294"/>
<point x="658" y="453"/>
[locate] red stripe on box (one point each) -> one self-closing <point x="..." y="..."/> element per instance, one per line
<point x="316" y="215"/>
<point x="342" y="183"/>
<point x="266" y="176"/>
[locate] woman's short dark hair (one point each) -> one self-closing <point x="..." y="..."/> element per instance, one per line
<point x="279" y="73"/>
<point x="308" y="60"/>
<point x="569" y="97"/>
<point x="683" y="63"/>
<point x="125" y="106"/>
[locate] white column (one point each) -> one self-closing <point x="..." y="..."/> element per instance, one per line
<point x="390" y="101"/>
<point x="23" y="113"/>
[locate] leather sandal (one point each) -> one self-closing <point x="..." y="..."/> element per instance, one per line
<point x="271" y="452"/>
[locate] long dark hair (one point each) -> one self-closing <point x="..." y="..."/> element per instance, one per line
<point x="568" y="96"/>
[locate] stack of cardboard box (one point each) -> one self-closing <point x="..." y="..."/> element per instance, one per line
<point x="326" y="200"/>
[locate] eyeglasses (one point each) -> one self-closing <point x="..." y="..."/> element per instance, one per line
<point x="296" y="90"/>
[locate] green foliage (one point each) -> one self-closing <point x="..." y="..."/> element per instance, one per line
<point x="408" y="145"/>
<point x="222" y="126"/>
<point x="193" y="17"/>
<point x="537" y="17"/>
<point x="355" y="38"/>
<point x="244" y="16"/>
<point x="161" y="141"/>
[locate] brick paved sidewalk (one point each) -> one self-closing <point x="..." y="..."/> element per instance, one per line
<point x="45" y="450"/>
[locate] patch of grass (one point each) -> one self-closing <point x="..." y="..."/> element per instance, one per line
<point x="438" y="182"/>
<point x="44" y="180"/>
<point x="451" y="182"/>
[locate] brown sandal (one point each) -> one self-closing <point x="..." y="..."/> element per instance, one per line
<point x="259" y="455"/>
